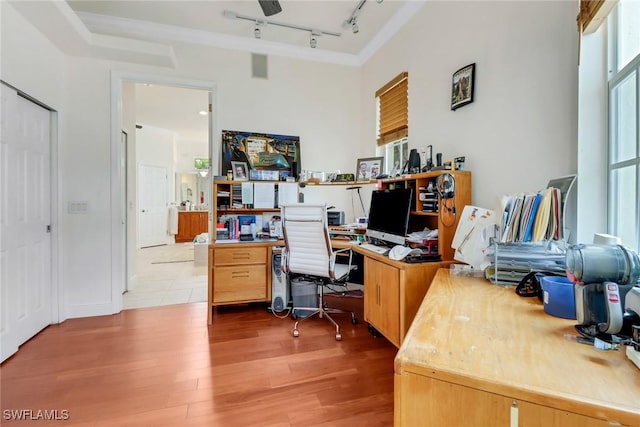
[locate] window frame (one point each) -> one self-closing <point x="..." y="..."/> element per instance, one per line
<point x="617" y="77"/>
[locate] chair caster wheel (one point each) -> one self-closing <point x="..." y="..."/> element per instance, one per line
<point x="354" y="320"/>
<point x="338" y="337"/>
<point x="296" y="333"/>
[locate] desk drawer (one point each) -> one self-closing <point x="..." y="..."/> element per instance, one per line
<point x="239" y="283"/>
<point x="240" y="255"/>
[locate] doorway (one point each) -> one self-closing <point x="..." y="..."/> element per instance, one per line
<point x="159" y="271"/>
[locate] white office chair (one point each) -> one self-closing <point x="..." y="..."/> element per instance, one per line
<point x="308" y="253"/>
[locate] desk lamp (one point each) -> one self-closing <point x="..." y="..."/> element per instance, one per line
<point x="364" y="212"/>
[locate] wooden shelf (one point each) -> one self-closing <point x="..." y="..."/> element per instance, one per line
<point x="445" y="221"/>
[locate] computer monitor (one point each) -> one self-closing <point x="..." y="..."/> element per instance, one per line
<point x="389" y="215"/>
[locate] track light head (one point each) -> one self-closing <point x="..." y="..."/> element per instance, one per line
<point x="256" y="31"/>
<point x="354" y="27"/>
<point x="313" y="41"/>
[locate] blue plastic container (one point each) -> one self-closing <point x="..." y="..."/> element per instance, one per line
<point x="558" y="297"/>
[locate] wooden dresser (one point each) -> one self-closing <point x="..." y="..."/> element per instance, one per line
<point x="479" y="355"/>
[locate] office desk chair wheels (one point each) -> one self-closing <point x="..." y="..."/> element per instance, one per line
<point x="322" y="312"/>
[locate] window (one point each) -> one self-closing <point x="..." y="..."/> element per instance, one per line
<point x="395" y="154"/>
<point x="393" y="123"/>
<point x="624" y="118"/>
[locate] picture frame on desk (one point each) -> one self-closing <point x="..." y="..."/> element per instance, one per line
<point x="462" y="86"/>
<point x="369" y="168"/>
<point x="239" y="170"/>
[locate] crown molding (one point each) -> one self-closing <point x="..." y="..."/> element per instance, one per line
<point x="62" y="26"/>
<point x="125" y="27"/>
<point x="174" y="34"/>
<point x="113" y="38"/>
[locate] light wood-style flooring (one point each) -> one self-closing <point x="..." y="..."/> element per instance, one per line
<point x="162" y="366"/>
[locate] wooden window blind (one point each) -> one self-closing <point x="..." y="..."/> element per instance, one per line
<point x="393" y="109"/>
<point x="593" y="13"/>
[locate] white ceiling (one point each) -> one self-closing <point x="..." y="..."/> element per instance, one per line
<point x="146" y="31"/>
<point x="154" y="20"/>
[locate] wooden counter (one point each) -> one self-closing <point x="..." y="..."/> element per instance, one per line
<point x="190" y="224"/>
<point x="479" y="355"/>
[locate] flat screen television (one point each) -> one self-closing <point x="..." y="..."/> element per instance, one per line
<point x="389" y="215"/>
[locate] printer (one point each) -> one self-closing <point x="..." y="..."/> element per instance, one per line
<point x="335" y="217"/>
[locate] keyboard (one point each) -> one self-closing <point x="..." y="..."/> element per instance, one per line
<point x="382" y="250"/>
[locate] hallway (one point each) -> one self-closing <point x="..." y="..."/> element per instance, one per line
<point x="166" y="275"/>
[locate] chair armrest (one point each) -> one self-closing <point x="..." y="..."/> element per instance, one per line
<point x="332" y="261"/>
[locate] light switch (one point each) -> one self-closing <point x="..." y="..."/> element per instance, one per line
<point x="77" y="207"/>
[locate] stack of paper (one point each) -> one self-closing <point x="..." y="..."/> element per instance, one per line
<point x="531" y="217"/>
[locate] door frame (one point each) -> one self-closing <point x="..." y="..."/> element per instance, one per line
<point x="119" y="234"/>
<point x="58" y="305"/>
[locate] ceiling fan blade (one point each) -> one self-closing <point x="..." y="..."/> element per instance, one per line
<point x="270" y="7"/>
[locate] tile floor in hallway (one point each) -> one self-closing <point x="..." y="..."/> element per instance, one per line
<point x="166" y="275"/>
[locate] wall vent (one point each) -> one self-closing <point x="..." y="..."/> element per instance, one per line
<point x="259" y="66"/>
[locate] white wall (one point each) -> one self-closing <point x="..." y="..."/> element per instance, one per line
<point x="521" y="129"/>
<point x="318" y="102"/>
<point x="186" y="151"/>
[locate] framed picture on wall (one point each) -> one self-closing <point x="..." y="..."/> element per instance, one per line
<point x="462" y="86"/>
<point x="368" y="168"/>
<point x="240" y="171"/>
<point x="263" y="152"/>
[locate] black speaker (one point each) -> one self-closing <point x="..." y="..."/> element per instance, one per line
<point x="270" y="7"/>
<point x="294" y="170"/>
<point x="414" y="161"/>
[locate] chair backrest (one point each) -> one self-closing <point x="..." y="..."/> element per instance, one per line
<point x="306" y="237"/>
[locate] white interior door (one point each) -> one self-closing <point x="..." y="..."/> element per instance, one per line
<point x="25" y="215"/>
<point x="153" y="205"/>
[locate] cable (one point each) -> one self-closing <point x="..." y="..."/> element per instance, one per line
<point x="451" y="209"/>
<point x="280" y="316"/>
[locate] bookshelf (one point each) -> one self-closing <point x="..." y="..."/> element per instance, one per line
<point x="433" y="207"/>
<point x="240" y="271"/>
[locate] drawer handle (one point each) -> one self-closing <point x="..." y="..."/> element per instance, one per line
<point x="241" y="256"/>
<point x="237" y="274"/>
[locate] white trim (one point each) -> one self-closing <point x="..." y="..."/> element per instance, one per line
<point x="58" y="304"/>
<point x="171" y="34"/>
<point x="118" y="272"/>
<point x="90" y="310"/>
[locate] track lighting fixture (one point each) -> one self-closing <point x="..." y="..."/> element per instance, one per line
<point x="351" y="21"/>
<point x="257" y="33"/>
<point x="313" y="40"/>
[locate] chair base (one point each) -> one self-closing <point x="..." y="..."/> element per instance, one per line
<point x="322" y="311"/>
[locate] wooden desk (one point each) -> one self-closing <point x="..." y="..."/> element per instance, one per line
<point x="479" y="355"/>
<point x="393" y="291"/>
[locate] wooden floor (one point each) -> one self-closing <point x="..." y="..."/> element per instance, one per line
<point x="162" y="366"/>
